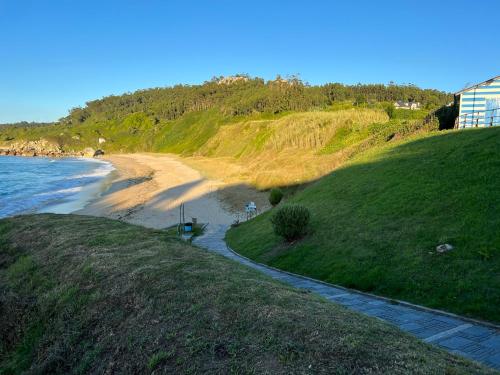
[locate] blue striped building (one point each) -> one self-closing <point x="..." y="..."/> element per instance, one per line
<point x="479" y="105"/>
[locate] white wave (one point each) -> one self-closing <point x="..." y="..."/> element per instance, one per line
<point x="62" y="191"/>
<point x="101" y="171"/>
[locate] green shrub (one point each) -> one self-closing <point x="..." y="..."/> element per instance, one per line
<point x="156" y="359"/>
<point x="389" y="109"/>
<point x="291" y="221"/>
<point x="275" y="196"/>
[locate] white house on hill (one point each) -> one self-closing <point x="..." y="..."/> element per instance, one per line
<point x="406" y="105"/>
<point x="479" y="105"/>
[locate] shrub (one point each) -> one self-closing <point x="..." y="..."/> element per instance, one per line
<point x="389" y="109"/>
<point x="291" y="221"/>
<point x="275" y="196"/>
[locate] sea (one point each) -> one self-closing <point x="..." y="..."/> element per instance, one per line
<point x="40" y="184"/>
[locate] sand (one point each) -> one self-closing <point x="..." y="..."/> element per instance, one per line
<point x="148" y="189"/>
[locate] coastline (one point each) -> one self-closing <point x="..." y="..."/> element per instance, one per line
<point x="86" y="195"/>
<point x="45" y="184"/>
<point x="147" y="189"/>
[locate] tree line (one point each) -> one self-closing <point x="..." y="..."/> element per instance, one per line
<point x="244" y="96"/>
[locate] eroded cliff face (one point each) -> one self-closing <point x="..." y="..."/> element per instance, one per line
<point x="43" y="147"/>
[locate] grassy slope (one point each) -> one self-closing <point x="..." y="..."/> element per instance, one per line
<point x="90" y="295"/>
<point x="376" y="223"/>
<point x="287" y="150"/>
<point x="264" y="150"/>
<point x="135" y="133"/>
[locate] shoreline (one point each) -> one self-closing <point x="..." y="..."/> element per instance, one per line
<point x="147" y="189"/>
<point x="87" y="194"/>
<point x="59" y="192"/>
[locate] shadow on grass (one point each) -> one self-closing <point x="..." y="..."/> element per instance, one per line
<point x="378" y="220"/>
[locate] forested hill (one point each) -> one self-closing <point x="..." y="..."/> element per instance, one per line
<point x="242" y="95"/>
<point x="312" y="128"/>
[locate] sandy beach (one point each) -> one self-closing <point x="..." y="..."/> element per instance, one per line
<point x="147" y="189"/>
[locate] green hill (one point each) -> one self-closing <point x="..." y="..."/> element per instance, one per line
<point x="377" y="221"/>
<point x="92" y="295"/>
<point x="241" y="96"/>
<point x="261" y="149"/>
<point x="279" y="132"/>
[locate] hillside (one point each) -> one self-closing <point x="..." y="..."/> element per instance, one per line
<point x="262" y="149"/>
<point x="377" y="221"/>
<point x="242" y="95"/>
<point x="297" y="148"/>
<point x="91" y="295"/>
<point x="240" y="129"/>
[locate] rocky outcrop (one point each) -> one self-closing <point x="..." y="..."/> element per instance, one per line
<point x="43" y="147"/>
<point x="40" y="147"/>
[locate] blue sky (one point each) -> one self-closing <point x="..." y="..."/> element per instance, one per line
<point x="55" y="54"/>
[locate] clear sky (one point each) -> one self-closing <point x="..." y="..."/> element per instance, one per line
<point x="56" y="54"/>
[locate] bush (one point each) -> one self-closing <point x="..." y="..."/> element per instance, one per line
<point x="389" y="109"/>
<point x="446" y="116"/>
<point x="291" y="221"/>
<point x="275" y="196"/>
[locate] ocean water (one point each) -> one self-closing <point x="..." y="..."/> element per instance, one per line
<point x="62" y="185"/>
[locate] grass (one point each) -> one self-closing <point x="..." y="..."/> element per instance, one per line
<point x="92" y="295"/>
<point x="298" y="148"/>
<point x="264" y="150"/>
<point x="284" y="151"/>
<point x="187" y="134"/>
<point x="377" y="221"/>
<point x="157" y="358"/>
<point x="409" y="114"/>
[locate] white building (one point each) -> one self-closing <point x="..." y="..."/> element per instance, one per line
<point x="479" y="105"/>
<point x="400" y="104"/>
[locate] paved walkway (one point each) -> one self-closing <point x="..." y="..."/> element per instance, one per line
<point x="463" y="337"/>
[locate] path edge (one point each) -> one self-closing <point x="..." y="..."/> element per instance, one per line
<point x="385" y="299"/>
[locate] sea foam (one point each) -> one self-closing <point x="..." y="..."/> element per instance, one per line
<point x="30" y="185"/>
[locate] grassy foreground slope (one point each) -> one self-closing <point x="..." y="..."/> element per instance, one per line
<point x="377" y="220"/>
<point x="91" y="295"/>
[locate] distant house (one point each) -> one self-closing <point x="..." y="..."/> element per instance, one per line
<point x="479" y="105"/>
<point x="400" y="104"/>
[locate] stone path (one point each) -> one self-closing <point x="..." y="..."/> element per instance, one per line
<point x="460" y="336"/>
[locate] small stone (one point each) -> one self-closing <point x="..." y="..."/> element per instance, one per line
<point x="444" y="248"/>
